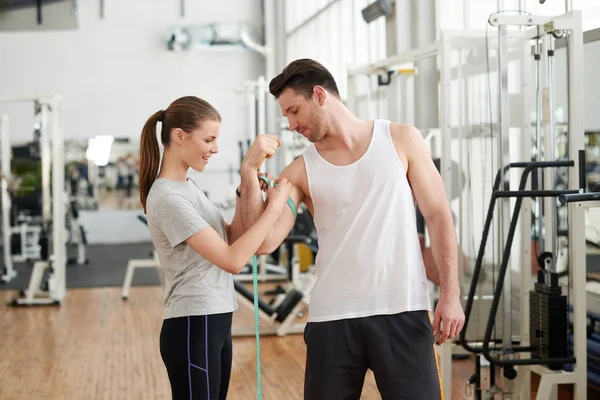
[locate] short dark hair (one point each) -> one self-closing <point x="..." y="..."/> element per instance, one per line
<point x="303" y="75"/>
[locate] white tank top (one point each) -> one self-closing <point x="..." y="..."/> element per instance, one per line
<point x="369" y="260"/>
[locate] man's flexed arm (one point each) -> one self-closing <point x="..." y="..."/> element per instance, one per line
<point x="251" y="199"/>
<point x="295" y="174"/>
<point x="283" y="225"/>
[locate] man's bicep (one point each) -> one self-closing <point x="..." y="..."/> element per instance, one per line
<point x="287" y="219"/>
<point x="428" y="188"/>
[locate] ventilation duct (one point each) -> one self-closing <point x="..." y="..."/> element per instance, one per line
<point x="215" y="36"/>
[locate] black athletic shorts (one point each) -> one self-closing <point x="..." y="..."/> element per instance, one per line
<point x="398" y="348"/>
<point x="197" y="353"/>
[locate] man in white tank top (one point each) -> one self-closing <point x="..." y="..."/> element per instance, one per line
<point x="370" y="308"/>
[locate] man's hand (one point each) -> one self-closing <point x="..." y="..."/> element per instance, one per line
<point x="450" y="314"/>
<point x="263" y="147"/>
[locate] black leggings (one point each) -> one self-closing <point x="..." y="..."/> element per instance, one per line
<point x="197" y="353"/>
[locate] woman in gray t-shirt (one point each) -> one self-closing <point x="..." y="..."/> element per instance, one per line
<point x="198" y="250"/>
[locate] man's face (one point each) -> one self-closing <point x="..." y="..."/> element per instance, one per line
<point x="305" y="116"/>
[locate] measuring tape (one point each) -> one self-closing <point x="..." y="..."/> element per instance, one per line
<point x="255" y="284"/>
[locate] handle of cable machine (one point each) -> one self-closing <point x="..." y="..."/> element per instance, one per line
<point x="579" y="197"/>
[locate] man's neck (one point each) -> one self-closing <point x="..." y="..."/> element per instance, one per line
<point x="345" y="129"/>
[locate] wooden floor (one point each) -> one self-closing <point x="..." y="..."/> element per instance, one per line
<point x="96" y="346"/>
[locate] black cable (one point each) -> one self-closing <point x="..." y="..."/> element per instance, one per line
<point x="572" y="351"/>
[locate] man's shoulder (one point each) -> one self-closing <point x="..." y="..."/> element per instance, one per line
<point x="407" y="140"/>
<point x="295" y="169"/>
<point x="406" y="137"/>
<point x="404" y="131"/>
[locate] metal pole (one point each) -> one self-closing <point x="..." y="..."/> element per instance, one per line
<point x="93" y="178"/>
<point x="504" y="159"/>
<point x="370" y="113"/>
<point x="550" y="142"/>
<point x="577" y="217"/>
<point x="9" y="272"/>
<point x="426" y="82"/>
<point x="568" y="5"/>
<point x="446" y="172"/>
<point x="538" y="139"/>
<point x="251" y="104"/>
<point x="525" y="227"/>
<point x="46" y="156"/>
<point x="261" y="104"/>
<point x="58" y="204"/>
<point x="270" y="23"/>
<point x="462" y="95"/>
<point x="351" y="102"/>
<point x="404" y="42"/>
<point x="259" y="92"/>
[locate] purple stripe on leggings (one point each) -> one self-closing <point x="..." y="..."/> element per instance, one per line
<point x="189" y="362"/>
<point x="206" y="351"/>
<point x="190" y="365"/>
<point x="195" y="366"/>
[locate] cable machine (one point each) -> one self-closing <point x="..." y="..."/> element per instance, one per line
<point x="51" y="289"/>
<point x="543" y="344"/>
<point x="477" y="118"/>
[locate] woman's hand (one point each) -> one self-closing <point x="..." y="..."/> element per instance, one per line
<point x="278" y="196"/>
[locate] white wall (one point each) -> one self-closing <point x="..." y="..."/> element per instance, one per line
<point x="114" y="73"/>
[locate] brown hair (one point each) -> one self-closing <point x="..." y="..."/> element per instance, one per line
<point x="186" y="113"/>
<point x="303" y="75"/>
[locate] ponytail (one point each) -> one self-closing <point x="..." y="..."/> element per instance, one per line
<point x="149" y="156"/>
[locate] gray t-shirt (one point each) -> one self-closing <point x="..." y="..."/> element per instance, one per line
<point x="193" y="285"/>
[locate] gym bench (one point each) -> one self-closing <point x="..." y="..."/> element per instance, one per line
<point x="139" y="263"/>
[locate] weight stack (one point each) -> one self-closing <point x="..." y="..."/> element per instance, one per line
<point x="548" y="322"/>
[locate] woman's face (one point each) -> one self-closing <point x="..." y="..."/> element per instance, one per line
<point x="199" y="145"/>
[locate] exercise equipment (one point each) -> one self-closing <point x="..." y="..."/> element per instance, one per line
<point x="8" y="270"/>
<point x="577" y="204"/>
<point x="548" y="316"/>
<point x="297" y="251"/>
<point x="278" y="319"/>
<point x="47" y="284"/>
<point x="542" y="346"/>
<point x="478" y="114"/>
<point x="26" y="226"/>
<point x="77" y="235"/>
<point x="134" y="264"/>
